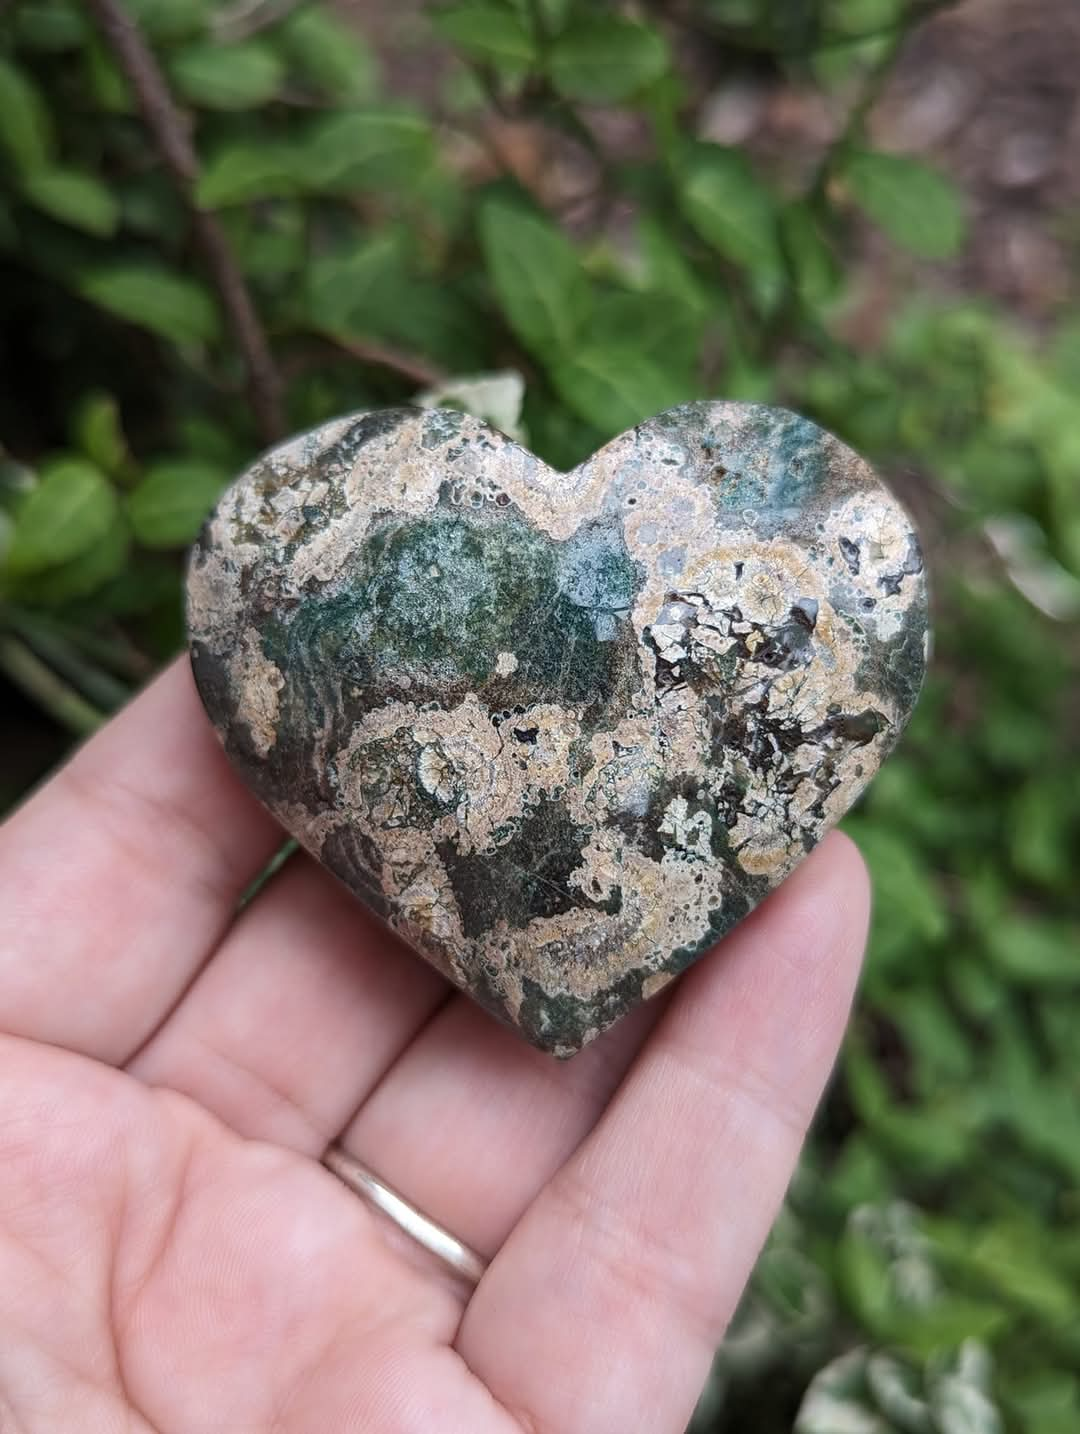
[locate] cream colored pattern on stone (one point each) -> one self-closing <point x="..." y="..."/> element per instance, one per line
<point x="411" y="776"/>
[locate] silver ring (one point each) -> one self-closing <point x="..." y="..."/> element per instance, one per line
<point x="444" y="1246"/>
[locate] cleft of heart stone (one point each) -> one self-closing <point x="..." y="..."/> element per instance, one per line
<point x="559" y="730"/>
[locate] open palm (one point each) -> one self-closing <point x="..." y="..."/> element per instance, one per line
<point x="174" y="1258"/>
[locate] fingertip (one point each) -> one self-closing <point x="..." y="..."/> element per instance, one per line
<point x="820" y="918"/>
<point x="787" y="974"/>
<point x="823" y="905"/>
<point x="842" y="866"/>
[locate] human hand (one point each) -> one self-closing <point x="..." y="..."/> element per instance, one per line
<point x="174" y="1258"/>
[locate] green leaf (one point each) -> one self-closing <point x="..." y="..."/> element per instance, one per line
<point x="917" y="207"/>
<point x="374" y="290"/>
<point x="616" y="387"/>
<point x="655" y="325"/>
<point x="272" y="244"/>
<point x="203" y="437"/>
<point x="909" y="912"/>
<point x="1045" y="1401"/>
<point x="1039" y="822"/>
<point x="537" y="277"/>
<point x="168" y="507"/>
<point x="69" y="511"/>
<point x="341" y="286"/>
<point x="488" y="33"/>
<point x="246" y="170"/>
<point x="667" y="271"/>
<point x="731" y="209"/>
<point x="168" y="304"/>
<point x="551" y="14"/>
<point x="1065" y="354"/>
<point x="605" y="59"/>
<point x="1012" y="1258"/>
<point x="228" y="77"/>
<point x="815" y="273"/>
<point x="1035" y="952"/>
<point x="51" y="25"/>
<point x="97" y="431"/>
<point x="363" y="149"/>
<point x="946" y="1323"/>
<point x="329" y="54"/>
<point x="865" y="1279"/>
<point x="26" y="135"/>
<point x="170" y="20"/>
<point x="929" y="1138"/>
<point x="83" y="575"/>
<point x="105" y="82"/>
<point x="74" y="198"/>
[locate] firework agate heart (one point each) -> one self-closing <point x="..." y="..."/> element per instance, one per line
<point x="559" y="730"/>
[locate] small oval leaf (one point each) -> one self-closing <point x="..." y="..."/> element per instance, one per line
<point x="232" y="77"/>
<point x="168" y="304"/>
<point x="79" y="200"/>
<point x="603" y="60"/>
<point x="916" y="206"/>
<point x="168" y="507"/>
<point x="69" y="511"/>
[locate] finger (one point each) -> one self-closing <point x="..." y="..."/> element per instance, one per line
<point x="471" y="1121"/>
<point x="118" y="878"/>
<point x="305" y="1005"/>
<point x="624" y="1273"/>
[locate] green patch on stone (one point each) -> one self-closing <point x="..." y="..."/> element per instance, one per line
<point x="781" y="463"/>
<point x="431" y="605"/>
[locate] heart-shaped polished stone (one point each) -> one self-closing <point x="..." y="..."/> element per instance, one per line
<point x="560" y="730"/>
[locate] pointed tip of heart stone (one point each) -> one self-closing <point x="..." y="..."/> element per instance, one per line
<point x="560" y="730"/>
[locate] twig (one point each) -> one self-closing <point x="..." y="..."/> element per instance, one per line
<point x="427" y="375"/>
<point x="410" y="366"/>
<point x="873" y="86"/>
<point x="116" y="652"/>
<point x="269" y="871"/>
<point x="170" y="131"/>
<point x="54" y="648"/>
<point x="49" y="691"/>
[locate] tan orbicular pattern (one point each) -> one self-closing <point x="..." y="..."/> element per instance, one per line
<point x="561" y="730"/>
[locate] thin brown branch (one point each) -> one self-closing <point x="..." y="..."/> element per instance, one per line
<point x="852" y="134"/>
<point x="170" y="130"/>
<point x="411" y="366"/>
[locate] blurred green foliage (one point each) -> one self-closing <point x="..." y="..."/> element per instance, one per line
<point x="925" y="1277"/>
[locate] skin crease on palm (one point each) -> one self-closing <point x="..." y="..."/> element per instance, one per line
<point x="174" y="1258"/>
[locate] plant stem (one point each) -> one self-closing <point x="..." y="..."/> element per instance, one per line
<point x="855" y="124"/>
<point x="170" y="129"/>
<point x="55" y="649"/>
<point x="411" y="366"/>
<point x="50" y="692"/>
<point x="117" y="653"/>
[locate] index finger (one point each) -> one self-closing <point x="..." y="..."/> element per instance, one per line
<point x="624" y="1273"/>
<point x="119" y="876"/>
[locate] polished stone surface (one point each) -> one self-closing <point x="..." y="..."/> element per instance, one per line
<point x="561" y="730"/>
